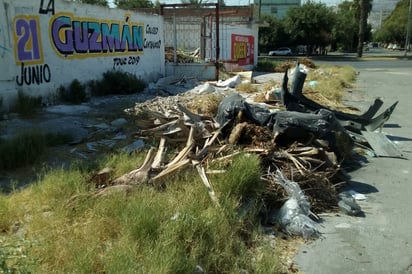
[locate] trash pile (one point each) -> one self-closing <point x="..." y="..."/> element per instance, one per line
<point x="302" y="146"/>
<point x="181" y="56"/>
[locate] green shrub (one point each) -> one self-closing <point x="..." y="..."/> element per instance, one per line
<point x="116" y="82"/>
<point x="25" y="148"/>
<point x="21" y="150"/>
<point x="74" y="94"/>
<point x="266" y="66"/>
<point x="26" y="105"/>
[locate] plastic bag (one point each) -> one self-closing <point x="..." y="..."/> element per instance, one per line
<point x="293" y="216"/>
<point x="234" y="103"/>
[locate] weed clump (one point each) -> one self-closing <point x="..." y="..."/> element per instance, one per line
<point x="74" y="94"/>
<point x="329" y="84"/>
<point x="27" y="105"/>
<point x="247" y="88"/>
<point x="276" y="66"/>
<point x="21" y="150"/>
<point x="116" y="82"/>
<point x="266" y="66"/>
<point x="26" y="148"/>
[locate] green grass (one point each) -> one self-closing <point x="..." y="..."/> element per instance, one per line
<point x="267" y="65"/>
<point x="75" y="93"/>
<point x="116" y="82"/>
<point x="25" y="148"/>
<point x="27" y="105"/>
<point x="168" y="230"/>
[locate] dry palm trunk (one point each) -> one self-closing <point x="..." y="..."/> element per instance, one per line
<point x="207" y="183"/>
<point x="180" y="161"/>
<point x="137" y="176"/>
<point x="159" y="159"/>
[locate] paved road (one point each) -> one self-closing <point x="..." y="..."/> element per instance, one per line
<point x="381" y="241"/>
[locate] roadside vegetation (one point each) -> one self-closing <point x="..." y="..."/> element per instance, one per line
<point x="111" y="83"/>
<point x="116" y="82"/>
<point x="273" y="65"/>
<point x="25" y="148"/>
<point x="324" y="84"/>
<point x="314" y="28"/>
<point x="394" y="26"/>
<point x="27" y="105"/>
<point x="58" y="225"/>
<point x="328" y="84"/>
<point x="321" y="29"/>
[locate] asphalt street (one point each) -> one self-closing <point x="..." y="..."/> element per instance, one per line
<point x="380" y="241"/>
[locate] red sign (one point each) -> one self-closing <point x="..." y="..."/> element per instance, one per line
<point x="243" y="49"/>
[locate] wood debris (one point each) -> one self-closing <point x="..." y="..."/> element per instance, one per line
<point x="201" y="140"/>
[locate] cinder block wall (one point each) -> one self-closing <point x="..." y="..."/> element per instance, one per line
<point x="48" y="43"/>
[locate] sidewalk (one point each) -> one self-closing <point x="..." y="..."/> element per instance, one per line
<point x="380" y="241"/>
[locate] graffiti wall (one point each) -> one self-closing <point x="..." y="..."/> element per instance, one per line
<point x="243" y="49"/>
<point x="48" y="43"/>
<point x="238" y="44"/>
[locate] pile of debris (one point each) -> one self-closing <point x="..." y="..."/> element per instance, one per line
<point x="307" y="142"/>
<point x="181" y="56"/>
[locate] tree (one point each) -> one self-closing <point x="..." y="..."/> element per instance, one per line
<point x="346" y="29"/>
<point x="133" y="4"/>
<point x="394" y="27"/>
<point x="157" y="4"/>
<point x="365" y="7"/>
<point x="310" y="24"/>
<point x="272" y="36"/>
<point x="96" y="2"/>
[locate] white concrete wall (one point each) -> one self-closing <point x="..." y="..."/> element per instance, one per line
<point x="187" y="31"/>
<point x="42" y="45"/>
<point x="238" y="40"/>
<point x="240" y="43"/>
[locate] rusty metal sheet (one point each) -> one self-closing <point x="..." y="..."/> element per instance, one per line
<point x="381" y="145"/>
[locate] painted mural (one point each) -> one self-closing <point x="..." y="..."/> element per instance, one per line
<point x="243" y="49"/>
<point x="78" y="37"/>
<point x="58" y="41"/>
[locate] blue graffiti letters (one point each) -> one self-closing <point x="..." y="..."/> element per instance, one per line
<point x="27" y="37"/>
<point x="80" y="37"/>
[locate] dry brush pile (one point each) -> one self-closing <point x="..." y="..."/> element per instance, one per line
<point x="200" y="140"/>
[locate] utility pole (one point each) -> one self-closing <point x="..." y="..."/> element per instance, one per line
<point x="408" y="29"/>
